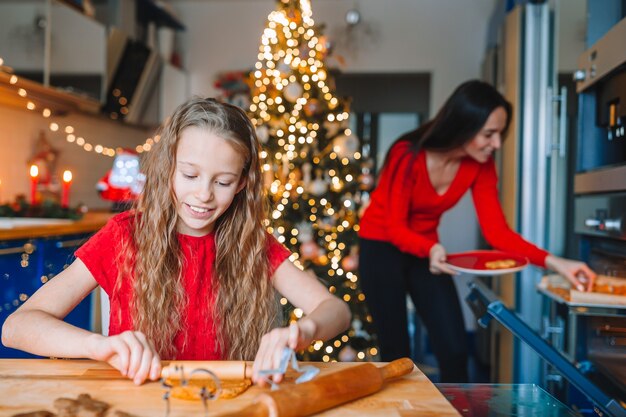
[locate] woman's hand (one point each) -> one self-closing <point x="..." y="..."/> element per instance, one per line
<point x="130" y="353"/>
<point x="438" y="261"/>
<point x="576" y="272"/>
<point x="298" y="335"/>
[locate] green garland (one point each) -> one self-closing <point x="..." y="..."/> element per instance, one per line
<point x="49" y="209"/>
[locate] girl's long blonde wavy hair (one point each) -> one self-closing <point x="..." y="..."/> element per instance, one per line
<point x="244" y="305"/>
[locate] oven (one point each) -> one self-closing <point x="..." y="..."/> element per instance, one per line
<point x="583" y="335"/>
<point x="591" y="332"/>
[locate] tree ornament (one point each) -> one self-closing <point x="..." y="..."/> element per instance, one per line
<point x="365" y="201"/>
<point x="351" y="262"/>
<point x="348" y="201"/>
<point x="309" y="250"/>
<point x="347" y="354"/>
<point x="366" y="179"/>
<point x="332" y="128"/>
<point x="319" y="185"/>
<point x="293" y="92"/>
<point x="284" y="68"/>
<point x="326" y="223"/>
<point x="306" y="174"/>
<point x="327" y="46"/>
<point x="357" y="325"/>
<point x="311" y="107"/>
<point x="321" y="260"/>
<point x="346" y="146"/>
<point x="263" y="133"/>
<point x="305" y="232"/>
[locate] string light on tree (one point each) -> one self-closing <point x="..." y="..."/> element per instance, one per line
<point x="311" y="163"/>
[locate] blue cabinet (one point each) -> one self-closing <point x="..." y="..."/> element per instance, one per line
<point x="26" y="265"/>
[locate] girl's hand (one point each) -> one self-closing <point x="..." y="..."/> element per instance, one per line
<point x="130" y="353"/>
<point x="297" y="336"/>
<point x="438" y="261"/>
<point x="576" y="272"/>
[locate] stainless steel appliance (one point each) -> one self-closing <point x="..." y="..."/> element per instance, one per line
<point x="589" y="338"/>
<point x="592" y="335"/>
<point x="534" y="164"/>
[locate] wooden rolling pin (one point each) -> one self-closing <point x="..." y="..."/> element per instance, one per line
<point x="325" y="392"/>
<point x="237" y="370"/>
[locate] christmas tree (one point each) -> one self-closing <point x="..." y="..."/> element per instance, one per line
<point x="314" y="170"/>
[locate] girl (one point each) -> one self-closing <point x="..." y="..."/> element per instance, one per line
<point x="426" y="173"/>
<point x="190" y="272"/>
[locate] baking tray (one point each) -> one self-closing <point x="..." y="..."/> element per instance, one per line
<point x="584" y="299"/>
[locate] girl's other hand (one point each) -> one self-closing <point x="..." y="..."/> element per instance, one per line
<point x="130" y="353"/>
<point x="438" y="258"/>
<point x="297" y="336"/>
<point x="576" y="272"/>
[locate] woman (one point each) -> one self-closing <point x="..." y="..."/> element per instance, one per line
<point x="426" y="172"/>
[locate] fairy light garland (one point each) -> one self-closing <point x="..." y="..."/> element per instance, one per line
<point x="68" y="130"/>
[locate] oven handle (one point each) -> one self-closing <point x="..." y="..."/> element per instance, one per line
<point x="553" y="144"/>
<point x="563" y="122"/>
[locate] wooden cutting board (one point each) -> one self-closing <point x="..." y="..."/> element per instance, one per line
<point x="33" y="384"/>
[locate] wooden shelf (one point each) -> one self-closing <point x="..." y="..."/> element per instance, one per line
<point x="56" y="100"/>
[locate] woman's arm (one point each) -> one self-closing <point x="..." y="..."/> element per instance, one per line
<point x="38" y="327"/>
<point x="576" y="272"/>
<point x="499" y="234"/>
<point x="492" y="221"/>
<point x="325" y="317"/>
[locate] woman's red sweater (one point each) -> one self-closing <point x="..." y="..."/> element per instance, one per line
<point x="405" y="209"/>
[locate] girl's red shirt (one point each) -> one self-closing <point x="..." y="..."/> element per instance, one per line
<point x="405" y="209"/>
<point x="198" y="340"/>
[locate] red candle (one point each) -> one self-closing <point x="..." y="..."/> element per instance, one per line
<point x="65" y="196"/>
<point x="34" y="176"/>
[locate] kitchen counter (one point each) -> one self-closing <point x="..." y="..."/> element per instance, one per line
<point x="91" y="222"/>
<point x="33" y="384"/>
<point x="504" y="400"/>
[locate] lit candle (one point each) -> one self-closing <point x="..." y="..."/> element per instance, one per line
<point x="34" y="175"/>
<point x="65" y="196"/>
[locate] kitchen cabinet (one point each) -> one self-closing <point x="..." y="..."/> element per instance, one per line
<point x="56" y="45"/>
<point x="26" y="265"/>
<point x="32" y="256"/>
<point x="67" y="61"/>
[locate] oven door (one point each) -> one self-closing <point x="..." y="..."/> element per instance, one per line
<point x="486" y="306"/>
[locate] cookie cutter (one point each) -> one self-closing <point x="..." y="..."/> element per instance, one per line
<point x="308" y="372"/>
<point x="205" y="394"/>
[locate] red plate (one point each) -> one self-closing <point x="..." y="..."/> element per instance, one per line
<point x="475" y="262"/>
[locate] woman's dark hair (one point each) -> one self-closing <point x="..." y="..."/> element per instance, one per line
<point x="459" y="120"/>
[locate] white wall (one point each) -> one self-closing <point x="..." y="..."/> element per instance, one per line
<point x="19" y="130"/>
<point x="445" y="37"/>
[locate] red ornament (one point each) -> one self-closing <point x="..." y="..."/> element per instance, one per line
<point x="309" y="250"/>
